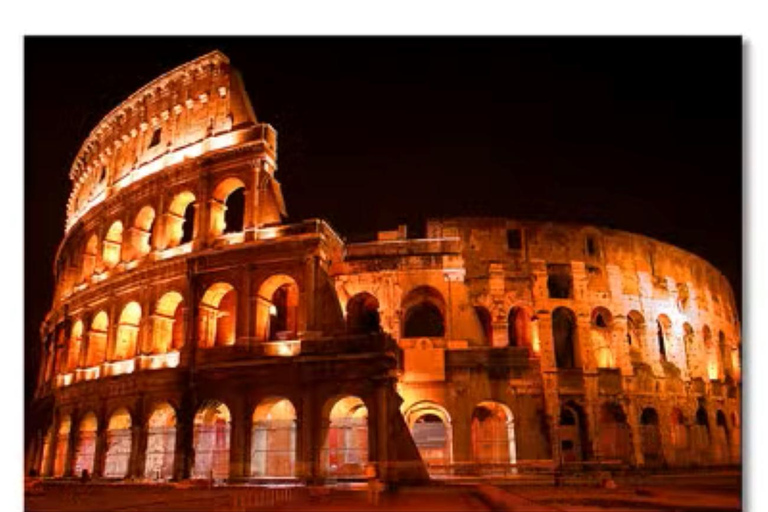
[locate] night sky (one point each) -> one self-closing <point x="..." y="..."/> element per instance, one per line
<point x="640" y="134"/>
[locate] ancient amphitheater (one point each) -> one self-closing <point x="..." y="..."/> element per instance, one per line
<point x="195" y="335"/>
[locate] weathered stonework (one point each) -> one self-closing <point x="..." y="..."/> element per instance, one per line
<point x="488" y="346"/>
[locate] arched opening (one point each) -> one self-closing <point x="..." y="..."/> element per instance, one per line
<point x="127" y="332"/>
<point x="89" y="257"/>
<point x="574" y="444"/>
<point x="180" y="220"/>
<point x="211" y="441"/>
<point x="62" y="446"/>
<point x="614" y="434"/>
<point x="142" y="233"/>
<point x="277" y="309"/>
<point x="228" y="207"/>
<point x="650" y="437"/>
<point x="97" y="340"/>
<point x="346" y="445"/>
<point x="564" y="335"/>
<point x="663" y="330"/>
<point x="700" y="441"/>
<point x="679" y="437"/>
<point x="363" y="314"/>
<point x="484" y="317"/>
<point x="424" y="313"/>
<point x="520" y="328"/>
<point x="273" y="445"/>
<point x="161" y="443"/>
<point x="723" y="354"/>
<point x="218" y="316"/>
<point x="168" y="324"/>
<point x="722" y="439"/>
<point x="43" y="468"/>
<point x="85" y="447"/>
<point x="75" y="345"/>
<point x="601" y="332"/>
<point x="636" y="335"/>
<point x="431" y="430"/>
<point x="493" y="437"/>
<point x="689" y="342"/>
<point x="113" y="244"/>
<point x="713" y="368"/>
<point x="118" y="445"/>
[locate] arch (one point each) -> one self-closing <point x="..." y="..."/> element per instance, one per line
<point x="650" y="437"/>
<point x="97" y="340"/>
<point x="167" y="324"/>
<point x="75" y="345"/>
<point x="636" y="335"/>
<point x="424" y="315"/>
<point x="218" y="316"/>
<point x="273" y="445"/>
<point x="85" y="446"/>
<point x="226" y="195"/>
<point x="432" y="432"/>
<point x="713" y="368"/>
<point x="143" y="229"/>
<point x="90" y="254"/>
<point x="573" y="433"/>
<point x="564" y="336"/>
<point x="180" y="221"/>
<point x="161" y="442"/>
<point x="345" y="451"/>
<point x="700" y="438"/>
<point x="601" y="333"/>
<point x="363" y="314"/>
<point x="119" y="440"/>
<point x="614" y="434"/>
<point x="211" y="439"/>
<point x="484" y="317"/>
<point x="277" y="308"/>
<point x="48" y="443"/>
<point x="663" y="331"/>
<point x="113" y="242"/>
<point x="689" y="342"/>
<point x="722" y="353"/>
<point x="493" y="437"/>
<point x="722" y="438"/>
<point x="520" y="327"/>
<point x="62" y="446"/>
<point x="127" y="332"/>
<point x="679" y="437"/>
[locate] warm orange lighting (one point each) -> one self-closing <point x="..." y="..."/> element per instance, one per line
<point x="282" y="348"/>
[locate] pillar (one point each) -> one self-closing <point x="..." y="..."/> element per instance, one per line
<point x="239" y="442"/>
<point x="101" y="447"/>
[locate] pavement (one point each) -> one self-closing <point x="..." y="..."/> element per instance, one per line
<point x="663" y="493"/>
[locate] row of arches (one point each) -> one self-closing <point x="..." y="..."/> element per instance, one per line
<point x="690" y="442"/>
<point x="565" y="333"/>
<point x="88" y="345"/>
<point x="124" y="242"/>
<point x="273" y="442"/>
<point x="492" y="431"/>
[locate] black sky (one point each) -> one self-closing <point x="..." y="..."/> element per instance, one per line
<point x="641" y="134"/>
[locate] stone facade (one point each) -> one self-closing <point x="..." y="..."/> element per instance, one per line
<point x="194" y="335"/>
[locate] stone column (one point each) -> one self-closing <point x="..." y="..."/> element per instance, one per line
<point x="382" y="430"/>
<point x="238" y="441"/>
<point x="69" y="457"/>
<point x="183" y="460"/>
<point x="139" y="436"/>
<point x="307" y="293"/>
<point x="634" y="429"/>
<point x="101" y="448"/>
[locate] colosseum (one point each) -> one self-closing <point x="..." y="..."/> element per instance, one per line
<point x="195" y="335"/>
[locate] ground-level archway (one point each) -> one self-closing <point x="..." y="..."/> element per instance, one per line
<point x="572" y="430"/>
<point x="345" y="453"/>
<point x="650" y="438"/>
<point x="614" y="439"/>
<point x="211" y="441"/>
<point x="119" y="440"/>
<point x="493" y="437"/>
<point x="85" y="446"/>
<point x="430" y="426"/>
<point x="161" y="443"/>
<point x="273" y="445"/>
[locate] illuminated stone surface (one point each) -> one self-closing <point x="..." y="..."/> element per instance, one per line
<point x="194" y="335"/>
